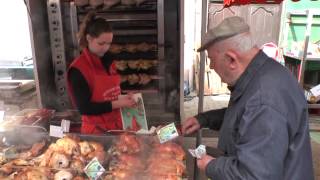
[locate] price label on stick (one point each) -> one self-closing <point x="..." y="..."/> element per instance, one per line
<point x="94" y="169"/>
<point x="167" y="133"/>
<point x="56" y="131"/>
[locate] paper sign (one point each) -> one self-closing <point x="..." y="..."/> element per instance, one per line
<point x="94" y="169"/>
<point x="56" y="131"/>
<point x="167" y="133"/>
<point x="199" y="152"/>
<point x="316" y="90"/>
<point x="65" y="125"/>
<point x="134" y="118"/>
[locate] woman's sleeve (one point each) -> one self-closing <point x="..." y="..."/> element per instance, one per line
<point x="82" y="95"/>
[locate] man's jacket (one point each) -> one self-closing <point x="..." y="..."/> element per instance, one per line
<point x="264" y="131"/>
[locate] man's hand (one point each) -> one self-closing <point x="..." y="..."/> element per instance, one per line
<point x="190" y="125"/>
<point x="204" y="161"/>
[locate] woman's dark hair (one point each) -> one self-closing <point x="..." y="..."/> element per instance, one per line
<point x="92" y="25"/>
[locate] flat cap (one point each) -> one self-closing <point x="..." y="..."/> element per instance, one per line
<point x="229" y="27"/>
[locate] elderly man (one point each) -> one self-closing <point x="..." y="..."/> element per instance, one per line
<point x="264" y="131"/>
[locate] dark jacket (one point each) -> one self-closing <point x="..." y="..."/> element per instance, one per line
<point x="264" y="132"/>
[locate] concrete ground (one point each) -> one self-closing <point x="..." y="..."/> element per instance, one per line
<point x="219" y="101"/>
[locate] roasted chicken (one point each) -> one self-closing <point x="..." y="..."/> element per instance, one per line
<point x="115" y="48"/>
<point x="165" y="166"/>
<point x="127" y="143"/>
<point x="33" y="174"/>
<point x="144" y="79"/>
<point x="147" y="64"/>
<point x="132" y="48"/>
<point x="135" y="64"/>
<point x="128" y="162"/>
<point x="122" y="174"/>
<point x="170" y="148"/>
<point x="121" y="65"/>
<point x="59" y="160"/>
<point x="85" y="148"/>
<point x="67" y="145"/>
<point x="63" y="175"/>
<point x="133" y="79"/>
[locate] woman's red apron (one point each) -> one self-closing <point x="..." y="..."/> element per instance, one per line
<point x="104" y="87"/>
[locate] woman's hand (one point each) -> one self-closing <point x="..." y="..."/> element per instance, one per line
<point x="124" y="101"/>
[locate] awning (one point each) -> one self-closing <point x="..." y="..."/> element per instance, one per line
<point x="243" y="2"/>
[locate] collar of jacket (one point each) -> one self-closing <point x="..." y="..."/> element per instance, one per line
<point x="253" y="67"/>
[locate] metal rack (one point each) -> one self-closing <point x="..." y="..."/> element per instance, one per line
<point x="137" y="24"/>
<point x="58" y="50"/>
<point x="132" y="24"/>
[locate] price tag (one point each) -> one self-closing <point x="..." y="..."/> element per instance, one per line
<point x="65" y="125"/>
<point x="94" y="169"/>
<point x="56" y="131"/>
<point x="167" y="133"/>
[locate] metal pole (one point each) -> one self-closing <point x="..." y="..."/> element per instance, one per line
<point x="306" y="43"/>
<point x="161" y="50"/>
<point x="74" y="29"/>
<point x="182" y="40"/>
<point x="58" y="51"/>
<point x="204" y="13"/>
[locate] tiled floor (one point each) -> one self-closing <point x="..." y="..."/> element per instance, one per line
<point x="215" y="102"/>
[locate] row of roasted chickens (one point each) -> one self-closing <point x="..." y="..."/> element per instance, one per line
<point x="138" y="79"/>
<point x="130" y="157"/>
<point x="132" y="47"/>
<point x="108" y="3"/>
<point x="143" y="64"/>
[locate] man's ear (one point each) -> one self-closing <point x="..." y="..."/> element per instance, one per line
<point x="233" y="58"/>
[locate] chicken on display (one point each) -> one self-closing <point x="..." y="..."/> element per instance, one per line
<point x="129" y="157"/>
<point x="144" y="162"/>
<point x="141" y="67"/>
